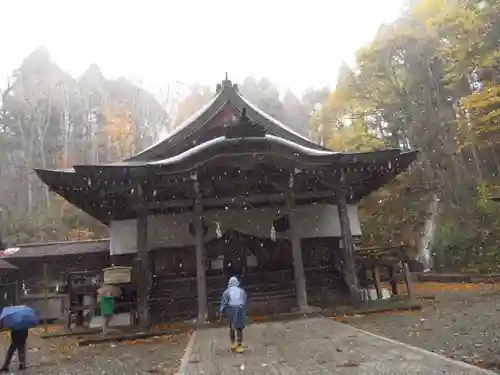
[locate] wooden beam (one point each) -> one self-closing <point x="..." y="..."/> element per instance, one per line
<point x="393" y="280"/>
<point x="408" y="280"/>
<point x="330" y="178"/>
<point x="363" y="280"/>
<point x="239" y="200"/>
<point x="144" y="278"/>
<point x="349" y="266"/>
<point x="298" y="263"/>
<point x="376" y="281"/>
<point x="201" y="282"/>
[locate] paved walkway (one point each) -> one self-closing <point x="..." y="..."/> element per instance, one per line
<point x="313" y="346"/>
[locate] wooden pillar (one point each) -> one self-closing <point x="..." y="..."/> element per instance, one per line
<point x="408" y="280"/>
<point x="298" y="263"/>
<point x="93" y="305"/>
<point x="46" y="302"/>
<point x="79" y="313"/>
<point x="201" y="282"/>
<point x="142" y="260"/>
<point x="349" y="266"/>
<point x="394" y="281"/>
<point x="363" y="280"/>
<point x="376" y="280"/>
<point x="17" y="291"/>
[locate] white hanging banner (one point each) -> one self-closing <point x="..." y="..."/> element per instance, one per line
<point x="310" y="221"/>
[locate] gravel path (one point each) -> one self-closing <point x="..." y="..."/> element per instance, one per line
<point x="62" y="356"/>
<point x="462" y="324"/>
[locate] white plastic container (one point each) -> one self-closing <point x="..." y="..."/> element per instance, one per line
<point x="117" y="275"/>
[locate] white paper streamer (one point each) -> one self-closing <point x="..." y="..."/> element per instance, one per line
<point x="273" y="233"/>
<point x="218" y="230"/>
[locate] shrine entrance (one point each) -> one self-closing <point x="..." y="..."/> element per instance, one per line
<point x="235" y="264"/>
<point x="237" y="255"/>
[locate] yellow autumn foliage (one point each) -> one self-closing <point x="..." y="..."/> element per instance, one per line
<point x="119" y="130"/>
<point x="353" y="138"/>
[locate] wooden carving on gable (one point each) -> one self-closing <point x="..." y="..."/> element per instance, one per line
<point x="245" y="128"/>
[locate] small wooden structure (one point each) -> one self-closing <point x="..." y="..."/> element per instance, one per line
<point x="385" y="261"/>
<point x="81" y="295"/>
<point x="9" y="284"/>
<point x="43" y="268"/>
<point x="60" y="258"/>
<point x="184" y="206"/>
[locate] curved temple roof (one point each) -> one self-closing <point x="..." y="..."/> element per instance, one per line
<point x="227" y="94"/>
<point x="229" y="131"/>
<point x="223" y="150"/>
<point x="215" y="151"/>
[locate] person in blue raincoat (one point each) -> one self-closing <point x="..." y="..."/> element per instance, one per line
<point x="18" y="338"/>
<point x="233" y="307"/>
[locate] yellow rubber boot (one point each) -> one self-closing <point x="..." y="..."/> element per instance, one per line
<point x="239" y="349"/>
<point x="234" y="346"/>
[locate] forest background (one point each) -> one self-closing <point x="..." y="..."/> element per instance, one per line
<point x="430" y="81"/>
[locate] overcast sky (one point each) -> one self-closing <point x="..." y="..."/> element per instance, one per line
<point x="295" y="43"/>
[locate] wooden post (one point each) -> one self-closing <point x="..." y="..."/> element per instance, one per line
<point x="349" y="266"/>
<point x="93" y="305"/>
<point x="363" y="280"/>
<point x="45" y="299"/>
<point x="79" y="315"/>
<point x="376" y="280"/>
<point x="68" y="299"/>
<point x="298" y="263"/>
<point x="408" y="280"/>
<point x="394" y="281"/>
<point x="201" y="284"/>
<point x="16" y="292"/>
<point x="143" y="259"/>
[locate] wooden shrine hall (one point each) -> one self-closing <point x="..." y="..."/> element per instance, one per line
<point x="232" y="191"/>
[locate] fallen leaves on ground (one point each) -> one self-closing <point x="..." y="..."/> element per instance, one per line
<point x="260" y="319"/>
<point x="350" y="364"/>
<point x="166" y="326"/>
<point x="157" y="354"/>
<point x="432" y="288"/>
<point x="51" y="328"/>
<point x="488" y="365"/>
<point x="396" y="312"/>
<point x="448" y="287"/>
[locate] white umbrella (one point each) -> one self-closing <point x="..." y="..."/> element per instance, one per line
<point x="109" y="291"/>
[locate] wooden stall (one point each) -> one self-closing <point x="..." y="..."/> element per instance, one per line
<point x="42" y="273"/>
<point x="234" y="189"/>
<point x="385" y="263"/>
<point x="9" y="283"/>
